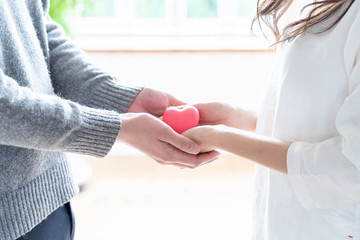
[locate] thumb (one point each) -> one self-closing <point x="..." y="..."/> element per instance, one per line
<point x="182" y="143"/>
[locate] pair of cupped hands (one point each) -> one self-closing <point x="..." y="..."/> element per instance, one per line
<point x="143" y="128"/>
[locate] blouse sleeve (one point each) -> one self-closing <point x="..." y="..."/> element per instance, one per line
<point x="327" y="174"/>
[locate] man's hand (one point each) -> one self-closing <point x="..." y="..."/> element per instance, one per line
<point x="156" y="139"/>
<point x="153" y="101"/>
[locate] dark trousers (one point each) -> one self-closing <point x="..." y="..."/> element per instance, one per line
<point x="59" y="225"/>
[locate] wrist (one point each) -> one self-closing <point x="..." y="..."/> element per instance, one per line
<point x="218" y="136"/>
<point x="127" y="123"/>
<point x="246" y="118"/>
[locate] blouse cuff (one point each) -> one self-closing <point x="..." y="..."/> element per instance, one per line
<point x="294" y="167"/>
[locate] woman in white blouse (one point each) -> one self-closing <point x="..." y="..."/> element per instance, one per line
<point x="307" y="134"/>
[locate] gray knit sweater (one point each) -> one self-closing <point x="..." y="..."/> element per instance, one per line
<point x="52" y="101"/>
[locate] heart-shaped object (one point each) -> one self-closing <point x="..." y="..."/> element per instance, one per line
<point x="181" y="118"/>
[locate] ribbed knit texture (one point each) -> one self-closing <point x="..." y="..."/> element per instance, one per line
<point x="52" y="101"/>
<point x="107" y="96"/>
<point x="21" y="210"/>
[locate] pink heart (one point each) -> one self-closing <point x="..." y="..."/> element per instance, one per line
<point x="181" y="118"/>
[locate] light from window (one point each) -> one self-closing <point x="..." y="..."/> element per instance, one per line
<point x="167" y="16"/>
<point x="166" y="24"/>
<point x="202" y="8"/>
<point x="150" y="8"/>
<point x="103" y="8"/>
<point x="173" y="9"/>
<point x="246" y="8"/>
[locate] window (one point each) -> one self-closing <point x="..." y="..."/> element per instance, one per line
<point x="150" y="9"/>
<point x="166" y="17"/>
<point x="202" y="9"/>
<point x="169" y="13"/>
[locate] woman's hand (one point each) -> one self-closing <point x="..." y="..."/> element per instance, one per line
<point x="267" y="151"/>
<point x="204" y="136"/>
<point x="156" y="139"/>
<point x="215" y="113"/>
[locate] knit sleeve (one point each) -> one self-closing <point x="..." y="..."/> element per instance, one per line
<point x="46" y="122"/>
<point x="327" y="174"/>
<point x="74" y="77"/>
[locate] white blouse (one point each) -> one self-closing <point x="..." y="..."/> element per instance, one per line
<point x="313" y="101"/>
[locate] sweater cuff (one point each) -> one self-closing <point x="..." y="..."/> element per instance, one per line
<point x="113" y="96"/>
<point x="97" y="133"/>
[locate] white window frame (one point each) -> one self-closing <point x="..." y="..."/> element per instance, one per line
<point x="227" y="31"/>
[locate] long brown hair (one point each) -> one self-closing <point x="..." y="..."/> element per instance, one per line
<point x="270" y="12"/>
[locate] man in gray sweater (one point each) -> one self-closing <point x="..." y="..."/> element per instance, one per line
<point x="53" y="101"/>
